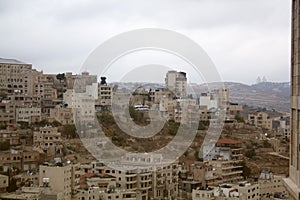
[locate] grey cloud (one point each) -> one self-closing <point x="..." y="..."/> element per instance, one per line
<point x="59" y="35"/>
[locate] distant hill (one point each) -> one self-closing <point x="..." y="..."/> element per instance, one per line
<point x="266" y="95"/>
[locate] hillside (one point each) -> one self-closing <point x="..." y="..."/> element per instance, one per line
<point x="266" y="95"/>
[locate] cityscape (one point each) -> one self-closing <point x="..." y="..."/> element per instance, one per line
<point x="84" y="136"/>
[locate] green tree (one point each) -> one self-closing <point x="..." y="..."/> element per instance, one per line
<point x="239" y="118"/>
<point x="60" y="77"/>
<point x="24" y="125"/>
<point x="250" y="153"/>
<point x="106" y="118"/>
<point x="2" y="126"/>
<point x="202" y="125"/>
<point x="4" y="145"/>
<point x="43" y="122"/>
<point x="55" y="123"/>
<point x="246" y="170"/>
<point x="173" y="127"/>
<point x="69" y="131"/>
<point x="12" y="186"/>
<point x="266" y="144"/>
<point x="135" y="114"/>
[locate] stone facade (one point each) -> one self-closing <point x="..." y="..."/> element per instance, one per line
<point x="293" y="182"/>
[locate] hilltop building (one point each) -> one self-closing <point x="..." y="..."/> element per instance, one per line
<point x="177" y="83"/>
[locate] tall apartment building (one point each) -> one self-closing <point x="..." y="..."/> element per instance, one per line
<point x="104" y="100"/>
<point x="260" y="119"/>
<point x="226" y="158"/>
<point x="177" y="83"/>
<point x="293" y="182"/>
<point x="7" y="113"/>
<point x="14" y="76"/>
<point x="60" y="178"/>
<point x="43" y="86"/>
<point x="49" y="140"/>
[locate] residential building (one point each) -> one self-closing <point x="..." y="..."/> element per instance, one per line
<point x="157" y="181"/>
<point x="83" y="80"/>
<point x="7" y="113"/>
<point x="160" y="93"/>
<point x="186" y="111"/>
<point x="234" y="109"/>
<point x="28" y="114"/>
<point x="270" y="184"/>
<point x="228" y="171"/>
<point x="20" y="100"/>
<point x="207" y="100"/>
<point x="293" y="182"/>
<point x="15" y="77"/>
<point x="49" y="140"/>
<point x="225" y="157"/>
<point x="225" y="149"/>
<point x="177" y="83"/>
<point x="278" y="145"/>
<point x="32" y="193"/>
<point x="87" y="193"/>
<point x="119" y="194"/>
<point x="260" y="119"/>
<point x="28" y="178"/>
<point x="70" y="80"/>
<point x="105" y="92"/>
<point x="242" y="191"/>
<point x="282" y="126"/>
<point x="62" y="114"/>
<point x="219" y="99"/>
<point x="84" y="109"/>
<point x="11" y="136"/>
<point x="59" y="177"/>
<point x="192" y="176"/>
<point x="23" y="159"/>
<point x="3" y="183"/>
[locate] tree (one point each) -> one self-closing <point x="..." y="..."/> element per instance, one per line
<point x="106" y="118"/>
<point x="55" y="123"/>
<point x="266" y="144"/>
<point x="24" y="125"/>
<point x="12" y="186"/>
<point x="4" y="145"/>
<point x="173" y="127"/>
<point x="246" y="170"/>
<point x="203" y="125"/>
<point x="69" y="131"/>
<point x="43" y="122"/>
<point x="2" y="126"/>
<point x="250" y="153"/>
<point x="60" y="77"/>
<point x="135" y="114"/>
<point x="239" y="118"/>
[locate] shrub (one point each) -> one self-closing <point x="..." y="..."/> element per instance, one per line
<point x="239" y="119"/>
<point x="4" y="145"/>
<point x="69" y="131"/>
<point x="173" y="127"/>
<point x="250" y="153"/>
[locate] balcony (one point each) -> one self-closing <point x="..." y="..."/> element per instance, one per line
<point x="232" y="173"/>
<point x="130" y="175"/>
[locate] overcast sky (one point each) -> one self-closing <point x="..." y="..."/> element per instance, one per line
<point x="244" y="38"/>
